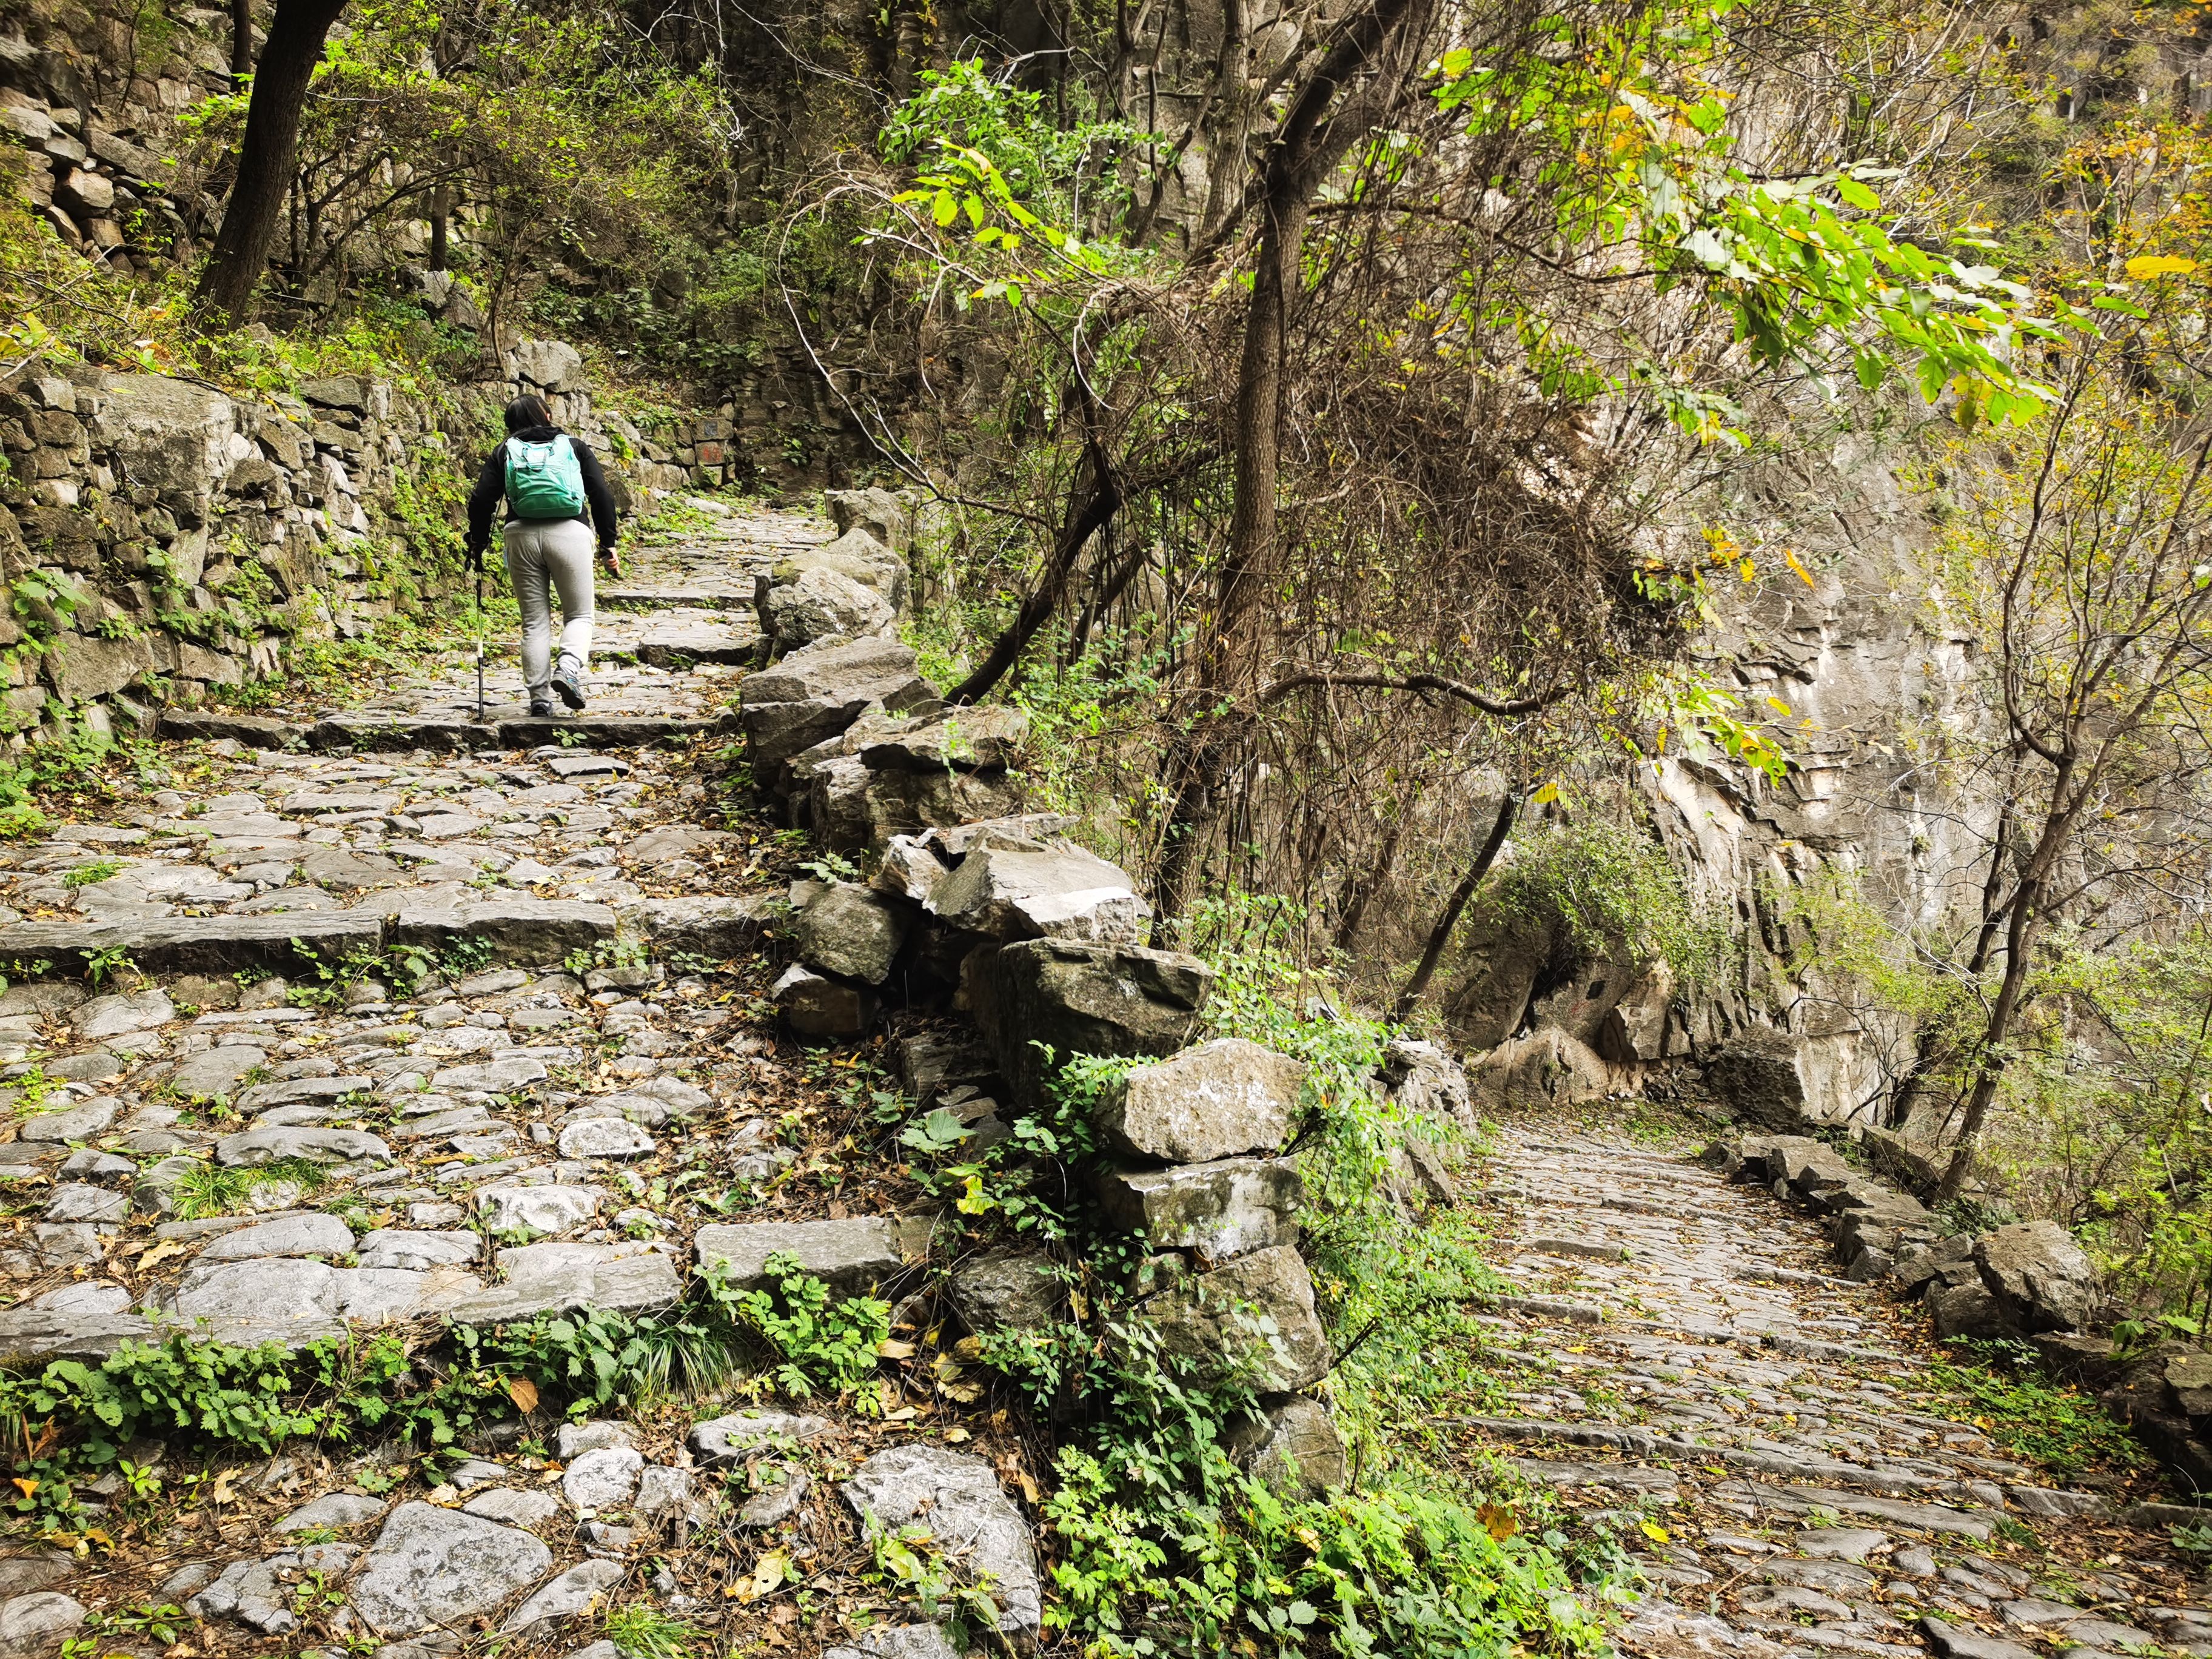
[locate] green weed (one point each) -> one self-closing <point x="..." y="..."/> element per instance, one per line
<point x="819" y="1344"/>
<point x="644" y="1632"/>
<point x="2059" y="1429"/>
<point x="214" y="1190"/>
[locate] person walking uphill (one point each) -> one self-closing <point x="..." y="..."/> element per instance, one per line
<point x="547" y="479"/>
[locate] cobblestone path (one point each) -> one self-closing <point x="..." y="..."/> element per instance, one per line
<point x="1683" y="1362"/>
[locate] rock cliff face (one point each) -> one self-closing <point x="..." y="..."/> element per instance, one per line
<point x="164" y="540"/>
<point x="1870" y="670"/>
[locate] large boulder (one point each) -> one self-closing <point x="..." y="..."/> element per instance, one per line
<point x="959" y="1499"/>
<point x="2038" y="1275"/>
<point x="1223" y="1209"/>
<point x="1640" y="1027"/>
<point x="1965" y="1310"/>
<point x="850" y="932"/>
<point x="1424" y="1081"/>
<point x="904" y="803"/>
<point x="1217" y="1100"/>
<point x="814" y="695"/>
<point x="819" y="604"/>
<point x="1547" y="1068"/>
<point x="172" y="437"/>
<point x="958" y="740"/>
<point x="549" y="365"/>
<point x="1505" y="955"/>
<point x="876" y="510"/>
<point x="1081" y="999"/>
<point x="1254" y="1317"/>
<point x="1785" y="1081"/>
<point x="1063" y="893"/>
<point x="856" y="555"/>
<point x="1292" y="1447"/>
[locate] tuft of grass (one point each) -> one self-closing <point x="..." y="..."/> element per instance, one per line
<point x="214" y="1190"/>
<point x="643" y="1631"/>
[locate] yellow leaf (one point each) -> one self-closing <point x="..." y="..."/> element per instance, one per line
<point x="1656" y="1533"/>
<point x="2144" y="266"/>
<point x="956" y="1434"/>
<point x="769" y="1572"/>
<point x="523" y="1392"/>
<point x="1546" y="795"/>
<point x="891" y="1348"/>
<point x="161" y="1250"/>
<point x="1790" y="559"/>
<point x="29" y="1488"/>
<point x="1748" y="570"/>
<point x="1499" y="1521"/>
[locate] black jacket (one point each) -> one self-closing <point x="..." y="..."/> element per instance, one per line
<point x="491" y="489"/>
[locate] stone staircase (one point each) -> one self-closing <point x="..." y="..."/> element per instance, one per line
<point x="1681" y="1361"/>
<point x="460" y="1021"/>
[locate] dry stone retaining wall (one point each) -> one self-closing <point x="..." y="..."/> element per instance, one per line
<point x="165" y="541"/>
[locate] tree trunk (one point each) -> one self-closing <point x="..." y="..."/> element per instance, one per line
<point x="1440" y="935"/>
<point x="242" y="42"/>
<point x="1927" y="1048"/>
<point x="1318" y="129"/>
<point x="2019" y="939"/>
<point x="256" y="210"/>
<point x="1094" y="502"/>
<point x="441" y="211"/>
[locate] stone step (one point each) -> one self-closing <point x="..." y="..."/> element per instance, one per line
<point x="639" y="596"/>
<point x="530" y="932"/>
<point x="1793" y="1465"/>
<point x="396" y="732"/>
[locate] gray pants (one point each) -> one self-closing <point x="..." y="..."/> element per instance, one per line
<point x="546" y="557"/>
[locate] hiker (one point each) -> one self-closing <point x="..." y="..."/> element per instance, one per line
<point x="546" y="477"/>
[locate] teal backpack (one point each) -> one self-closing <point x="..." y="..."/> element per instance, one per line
<point x="544" y="480"/>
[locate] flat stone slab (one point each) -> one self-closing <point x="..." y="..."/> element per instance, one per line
<point x="196" y="944"/>
<point x="527" y="932"/>
<point x="431" y="1566"/>
<point x="393" y="1246"/>
<point x="294" y="1236"/>
<point x="969" y="1516"/>
<point x="725" y="1439"/>
<point x="561" y="1278"/>
<point x="851" y="1255"/>
<point x="553" y="1209"/>
<point x="256" y="1148"/>
<point x="31" y="1336"/>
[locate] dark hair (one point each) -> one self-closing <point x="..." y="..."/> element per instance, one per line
<point x="528" y="411"/>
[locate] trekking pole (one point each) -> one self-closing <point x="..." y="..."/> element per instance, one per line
<point x="480" y="639"/>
